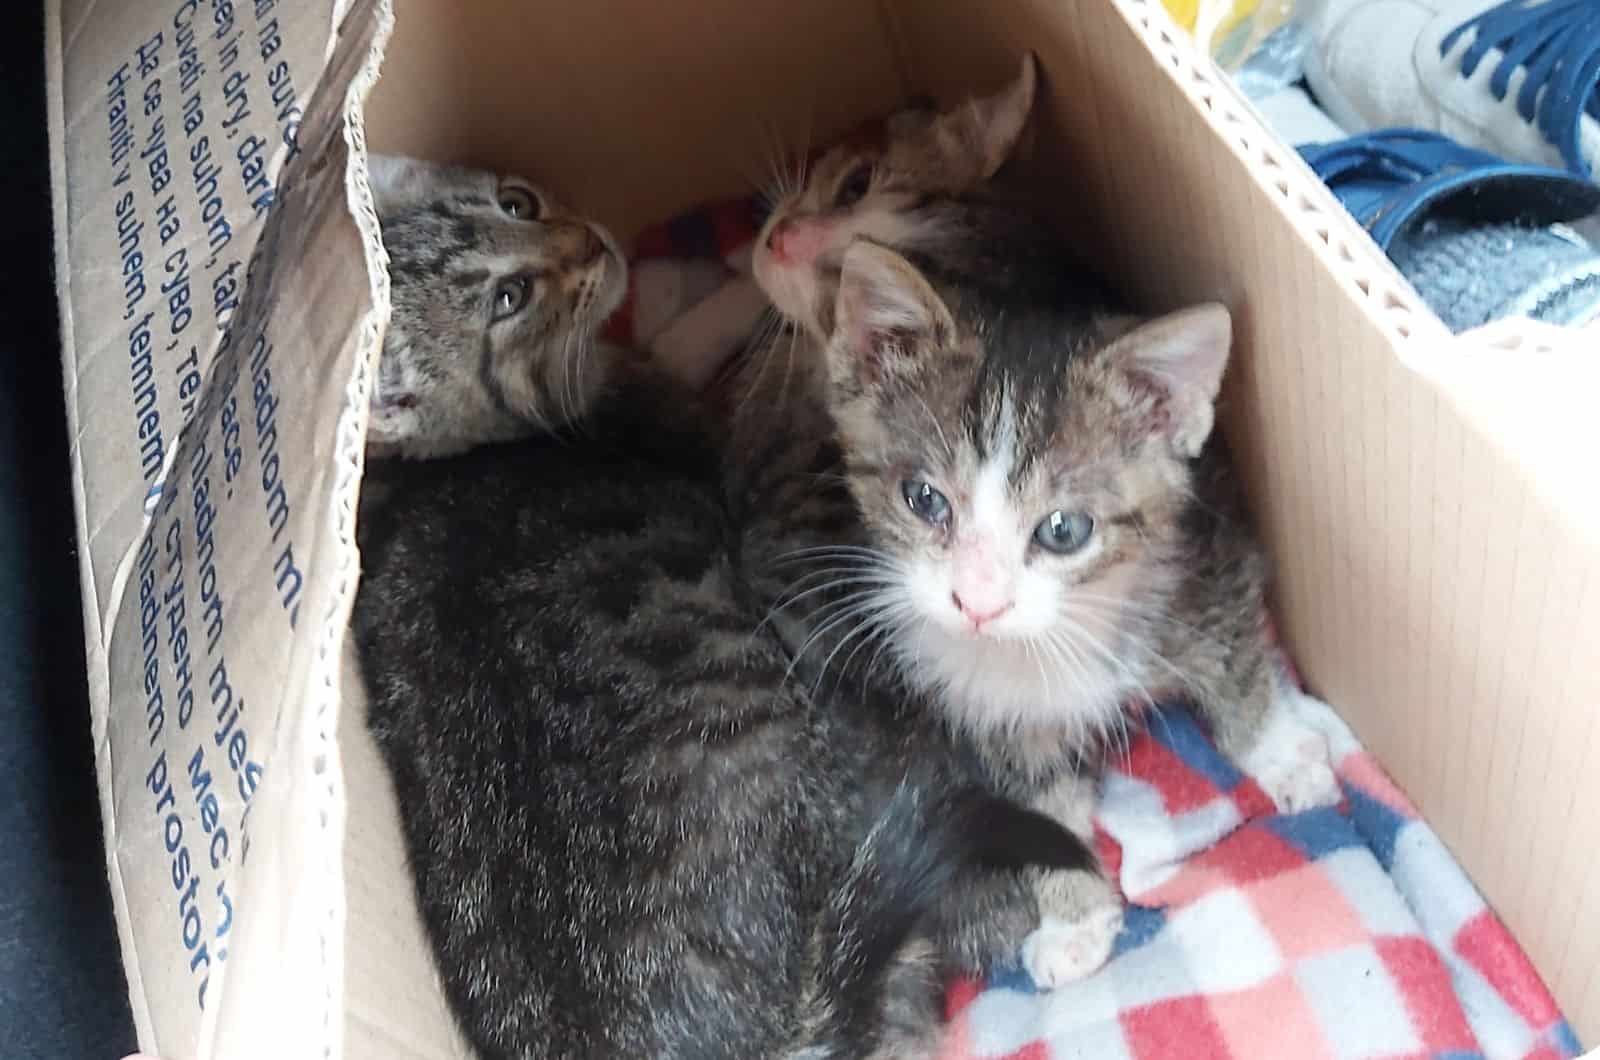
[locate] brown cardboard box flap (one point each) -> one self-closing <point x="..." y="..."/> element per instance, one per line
<point x="216" y="464"/>
<point x="1429" y="500"/>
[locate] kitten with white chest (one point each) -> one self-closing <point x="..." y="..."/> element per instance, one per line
<point x="1058" y="540"/>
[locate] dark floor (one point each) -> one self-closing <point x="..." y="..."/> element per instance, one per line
<point x="62" y="992"/>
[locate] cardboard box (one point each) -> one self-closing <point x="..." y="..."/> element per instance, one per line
<point x="1429" y="500"/>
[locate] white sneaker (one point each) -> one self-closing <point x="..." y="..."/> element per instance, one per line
<point x="1296" y="120"/>
<point x="1528" y="93"/>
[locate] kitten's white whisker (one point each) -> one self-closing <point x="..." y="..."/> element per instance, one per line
<point x="845" y="615"/>
<point x="1077" y="669"/>
<point x="857" y="631"/>
<point x="1044" y="673"/>
<point x="777" y="157"/>
<point x="788" y="367"/>
<point x="874" y="632"/>
<point x="893" y="619"/>
<point x="1148" y="654"/>
<point x="1141" y="610"/>
<point x="846" y="572"/>
<point x="764" y="356"/>
<point x="859" y="550"/>
<point x="1119" y="716"/>
<point x="805" y="140"/>
<point x="779" y="608"/>
<point x="767" y="178"/>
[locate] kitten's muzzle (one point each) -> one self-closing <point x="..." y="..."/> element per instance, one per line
<point x="797" y="241"/>
<point x="576" y="244"/>
<point x="979" y="609"/>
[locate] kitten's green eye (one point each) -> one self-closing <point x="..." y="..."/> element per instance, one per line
<point x="854" y="187"/>
<point x="511" y="297"/>
<point x="927" y="503"/>
<point x="520" y="202"/>
<point x="1064" y="532"/>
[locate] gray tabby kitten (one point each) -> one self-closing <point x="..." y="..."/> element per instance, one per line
<point x="497" y="293"/>
<point x="977" y="475"/>
<point x="632" y="833"/>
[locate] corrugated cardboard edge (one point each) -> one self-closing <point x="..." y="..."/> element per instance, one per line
<point x="351" y="463"/>
<point x="323" y="680"/>
<point x="1336" y="238"/>
<point x="93" y="631"/>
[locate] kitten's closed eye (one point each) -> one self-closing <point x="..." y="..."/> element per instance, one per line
<point x="511" y="297"/>
<point x="854" y="187"/>
<point x="520" y="201"/>
<point x="1064" y="532"/>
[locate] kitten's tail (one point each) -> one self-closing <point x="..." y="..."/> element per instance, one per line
<point x="909" y="858"/>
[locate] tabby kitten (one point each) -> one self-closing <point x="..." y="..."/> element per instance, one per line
<point x="896" y="182"/>
<point x="1055" y="542"/>
<point x="497" y="294"/>
<point x="632" y="833"/>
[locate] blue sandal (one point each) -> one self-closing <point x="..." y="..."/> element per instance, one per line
<point x="1393" y="179"/>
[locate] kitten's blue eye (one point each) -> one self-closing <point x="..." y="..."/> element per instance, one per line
<point x="927" y="503"/>
<point x="1064" y="532"/>
<point x="511" y="297"/>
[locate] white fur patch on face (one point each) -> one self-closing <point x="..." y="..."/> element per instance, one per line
<point x="985" y="683"/>
<point x="1031" y="663"/>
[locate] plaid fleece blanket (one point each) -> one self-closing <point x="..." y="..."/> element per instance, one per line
<point x="1344" y="933"/>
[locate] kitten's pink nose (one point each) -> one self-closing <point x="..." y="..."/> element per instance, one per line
<point x="796" y="242"/>
<point x="981" y="609"/>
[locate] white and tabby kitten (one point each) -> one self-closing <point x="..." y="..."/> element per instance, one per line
<point x="1056" y="543"/>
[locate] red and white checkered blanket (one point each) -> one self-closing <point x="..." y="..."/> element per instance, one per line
<point x="1344" y="934"/>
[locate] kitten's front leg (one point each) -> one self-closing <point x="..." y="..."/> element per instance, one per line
<point x="1287" y="756"/>
<point x="1080" y="913"/>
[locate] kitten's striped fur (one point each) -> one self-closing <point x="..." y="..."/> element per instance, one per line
<point x="634" y="833"/>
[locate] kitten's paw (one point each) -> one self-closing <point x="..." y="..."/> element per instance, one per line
<point x="1060" y="951"/>
<point x="1292" y="764"/>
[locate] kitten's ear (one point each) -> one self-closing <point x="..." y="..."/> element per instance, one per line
<point x="886" y="316"/>
<point x="1175" y="365"/>
<point x="395" y="180"/>
<point x="991" y="126"/>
